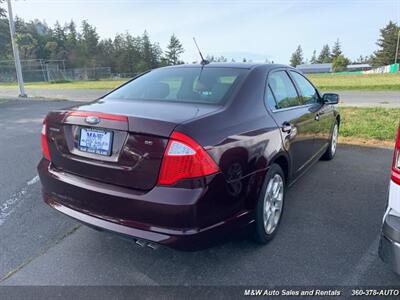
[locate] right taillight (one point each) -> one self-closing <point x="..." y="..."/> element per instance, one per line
<point x="184" y="158"/>
<point x="45" y="145"/>
<point x="396" y="159"/>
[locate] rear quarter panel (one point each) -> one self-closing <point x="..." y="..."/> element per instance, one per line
<point x="243" y="139"/>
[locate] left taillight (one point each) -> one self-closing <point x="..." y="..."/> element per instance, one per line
<point x="396" y="160"/>
<point x="45" y="145"/>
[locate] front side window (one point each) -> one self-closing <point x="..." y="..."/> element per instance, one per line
<point x="308" y="92"/>
<point x="284" y="91"/>
<point x="192" y="84"/>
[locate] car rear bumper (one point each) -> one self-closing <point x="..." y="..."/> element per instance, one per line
<point x="180" y="218"/>
<point x="389" y="248"/>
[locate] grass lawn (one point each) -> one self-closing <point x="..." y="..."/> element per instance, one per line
<point x="325" y="82"/>
<point x="370" y="126"/>
<point x="366" y="82"/>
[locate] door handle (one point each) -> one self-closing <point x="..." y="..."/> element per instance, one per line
<point x="286" y="127"/>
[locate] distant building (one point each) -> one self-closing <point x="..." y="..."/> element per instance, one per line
<point x="315" y="68"/>
<point x="358" y="67"/>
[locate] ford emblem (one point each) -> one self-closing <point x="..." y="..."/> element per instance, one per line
<point x="92" y="120"/>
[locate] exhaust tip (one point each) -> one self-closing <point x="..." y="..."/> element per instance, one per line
<point x="153" y="246"/>
<point x="141" y="243"/>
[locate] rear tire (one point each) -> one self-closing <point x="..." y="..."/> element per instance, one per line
<point x="269" y="206"/>
<point x="331" y="151"/>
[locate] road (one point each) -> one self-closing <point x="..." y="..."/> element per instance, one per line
<point x="328" y="236"/>
<point x="387" y="99"/>
<point x="63" y="94"/>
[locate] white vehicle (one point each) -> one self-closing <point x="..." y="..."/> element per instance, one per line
<point x="389" y="248"/>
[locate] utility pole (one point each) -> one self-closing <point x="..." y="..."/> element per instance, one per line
<point x="16" y="52"/>
<point x="397" y="47"/>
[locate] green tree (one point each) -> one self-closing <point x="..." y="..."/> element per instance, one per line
<point x="74" y="58"/>
<point x="41" y="33"/>
<point x="60" y="39"/>
<point x="150" y="54"/>
<point x="364" y="59"/>
<point x="387" y="43"/>
<point x="221" y="59"/>
<point x="5" y="40"/>
<point x="360" y="59"/>
<point x="20" y="25"/>
<point x="340" y="63"/>
<point x="106" y="53"/>
<point x="336" y="50"/>
<point x="174" y="50"/>
<point x="119" y="50"/>
<point x="297" y="57"/>
<point x="313" y="59"/>
<point x="212" y="58"/>
<point x="81" y="47"/>
<point x="133" y="53"/>
<point x="89" y="40"/>
<point x="51" y="48"/>
<point x="72" y="35"/>
<point x="26" y="45"/>
<point x="2" y="10"/>
<point x="325" y="55"/>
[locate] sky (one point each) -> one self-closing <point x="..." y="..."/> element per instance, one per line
<point x="257" y="30"/>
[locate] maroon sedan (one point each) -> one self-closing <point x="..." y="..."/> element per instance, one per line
<point x="187" y="156"/>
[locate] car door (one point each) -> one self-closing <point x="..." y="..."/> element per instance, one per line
<point x="295" y="119"/>
<point x="324" y="114"/>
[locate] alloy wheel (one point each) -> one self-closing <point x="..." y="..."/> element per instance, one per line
<point x="273" y="203"/>
<point x="334" y="139"/>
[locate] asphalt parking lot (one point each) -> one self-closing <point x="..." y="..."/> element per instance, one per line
<point x="329" y="234"/>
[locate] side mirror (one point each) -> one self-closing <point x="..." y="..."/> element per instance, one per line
<point x="330" y="98"/>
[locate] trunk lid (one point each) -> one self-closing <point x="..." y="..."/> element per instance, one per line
<point x="137" y="144"/>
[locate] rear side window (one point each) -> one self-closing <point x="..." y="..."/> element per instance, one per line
<point x="269" y="99"/>
<point x="308" y="92"/>
<point x="190" y="84"/>
<point x="283" y="89"/>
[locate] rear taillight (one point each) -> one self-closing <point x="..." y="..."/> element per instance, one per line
<point x="45" y="145"/>
<point x="184" y="158"/>
<point x="396" y="159"/>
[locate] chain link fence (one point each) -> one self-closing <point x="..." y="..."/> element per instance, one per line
<point x="39" y="70"/>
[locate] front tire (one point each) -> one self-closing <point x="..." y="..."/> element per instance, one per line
<point x="331" y="151"/>
<point x="270" y="205"/>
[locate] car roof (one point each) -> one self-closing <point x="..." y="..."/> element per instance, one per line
<point x="231" y="65"/>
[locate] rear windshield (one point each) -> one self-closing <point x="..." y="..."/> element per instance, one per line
<point x="207" y="85"/>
